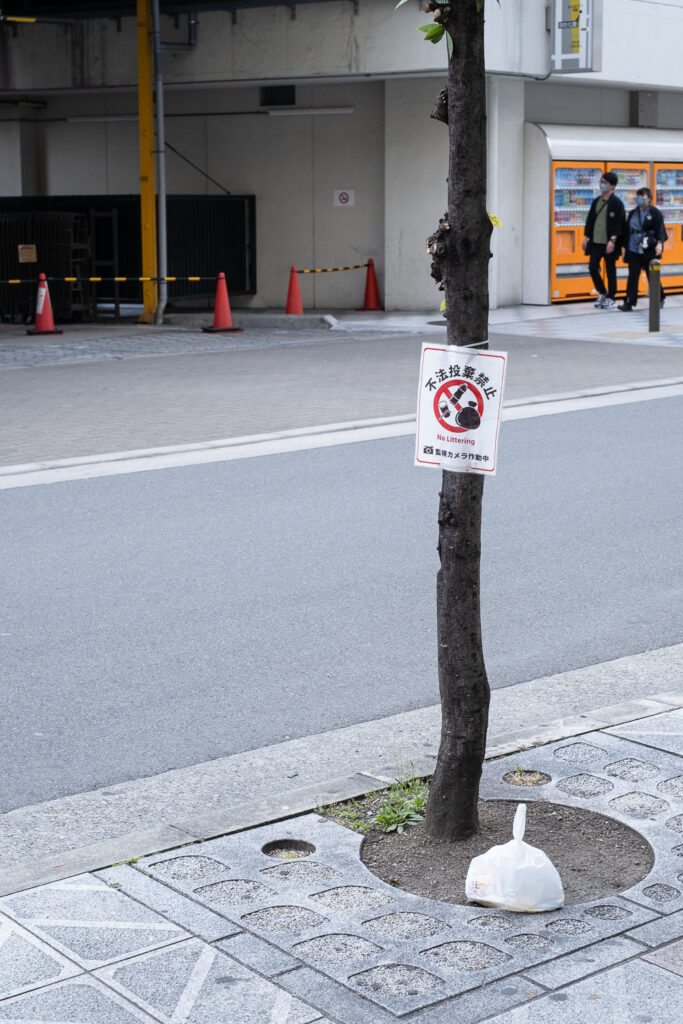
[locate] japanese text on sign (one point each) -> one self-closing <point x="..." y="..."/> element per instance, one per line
<point x="459" y="404"/>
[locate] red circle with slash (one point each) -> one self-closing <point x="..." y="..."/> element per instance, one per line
<point x="451" y="398"/>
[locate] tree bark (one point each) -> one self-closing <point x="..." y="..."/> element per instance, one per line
<point x="452" y="806"/>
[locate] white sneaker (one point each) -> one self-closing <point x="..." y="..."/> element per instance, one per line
<point x="607" y="303"/>
<point x="599" y="301"/>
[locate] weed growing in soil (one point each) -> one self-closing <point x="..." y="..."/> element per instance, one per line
<point x="404" y="805"/>
<point x="400" y="806"/>
<point x="353" y="813"/>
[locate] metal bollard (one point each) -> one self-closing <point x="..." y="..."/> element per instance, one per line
<point x="655" y="293"/>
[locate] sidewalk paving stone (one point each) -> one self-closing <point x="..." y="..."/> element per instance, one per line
<point x="81" y="1001"/>
<point x="26" y="962"/>
<point x="670" y="958"/>
<point x="258" y="955"/>
<point x="585" y="961"/>
<point x="197" y="983"/>
<point x="90" y="922"/>
<point x="476" y="1005"/>
<point x="178" y="909"/>
<point x="662" y="929"/>
<point x="634" y="993"/>
<point x="662" y="732"/>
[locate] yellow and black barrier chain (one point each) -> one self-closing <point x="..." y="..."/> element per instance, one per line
<point x="331" y="270"/>
<point x="97" y="280"/>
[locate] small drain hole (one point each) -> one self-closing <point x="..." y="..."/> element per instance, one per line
<point x="525" y="777"/>
<point x="288" y="849"/>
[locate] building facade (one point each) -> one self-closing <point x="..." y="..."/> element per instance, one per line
<point x="295" y="103"/>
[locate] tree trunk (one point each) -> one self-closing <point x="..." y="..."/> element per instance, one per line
<point x="452" y="806"/>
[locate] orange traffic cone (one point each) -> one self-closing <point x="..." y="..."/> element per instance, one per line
<point x="371" y="301"/>
<point x="44" y="320"/>
<point x="222" y="317"/>
<point x="294" y="295"/>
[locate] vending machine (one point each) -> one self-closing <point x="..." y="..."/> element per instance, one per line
<point x="563" y="164"/>
<point x="575" y="186"/>
<point x="668" y="197"/>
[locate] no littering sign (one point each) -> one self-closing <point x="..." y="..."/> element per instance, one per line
<point x="459" y="405"/>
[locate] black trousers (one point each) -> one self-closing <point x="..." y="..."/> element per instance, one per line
<point x="637" y="262"/>
<point x="597" y="254"/>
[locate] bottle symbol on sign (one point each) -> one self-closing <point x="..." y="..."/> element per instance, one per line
<point x="468" y="417"/>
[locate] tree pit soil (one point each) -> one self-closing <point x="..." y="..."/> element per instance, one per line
<point x="596" y="856"/>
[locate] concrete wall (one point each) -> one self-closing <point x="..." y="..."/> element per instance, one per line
<point x="323" y="40"/>
<point x="292" y="164"/>
<point x="567" y="101"/>
<point x="641" y="43"/>
<point x="330" y="40"/>
<point x="416" y="167"/>
<point x="505" y="113"/>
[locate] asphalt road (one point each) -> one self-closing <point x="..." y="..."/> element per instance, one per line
<point x="162" y="619"/>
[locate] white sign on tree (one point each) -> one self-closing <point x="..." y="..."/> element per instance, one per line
<point x="459" y="406"/>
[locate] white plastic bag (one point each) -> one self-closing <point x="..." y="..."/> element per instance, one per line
<point x="515" y="876"/>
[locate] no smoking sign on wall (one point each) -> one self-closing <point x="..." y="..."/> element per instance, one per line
<point x="459" y="405"/>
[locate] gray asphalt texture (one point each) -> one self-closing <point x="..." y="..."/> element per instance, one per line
<point x="162" y="619"/>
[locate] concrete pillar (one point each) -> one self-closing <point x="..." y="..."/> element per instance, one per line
<point x="505" y="179"/>
<point x="643" y="109"/>
<point x="416" y="166"/>
<point x="10" y="158"/>
<point x="32" y="139"/>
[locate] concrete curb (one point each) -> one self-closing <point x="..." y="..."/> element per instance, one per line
<point x="253" y="319"/>
<point x="294" y="802"/>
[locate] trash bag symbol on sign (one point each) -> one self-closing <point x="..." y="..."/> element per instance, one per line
<point x="459" y="406"/>
<point x="450" y="408"/>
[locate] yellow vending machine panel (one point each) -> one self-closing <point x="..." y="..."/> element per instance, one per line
<point x="668" y="196"/>
<point x="631" y="178"/>
<point x="575" y="185"/>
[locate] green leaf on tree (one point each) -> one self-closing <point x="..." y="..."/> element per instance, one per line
<point x="433" y="33"/>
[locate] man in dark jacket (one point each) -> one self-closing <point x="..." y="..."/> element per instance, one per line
<point x="602" y="238"/>
<point x="644" y="240"/>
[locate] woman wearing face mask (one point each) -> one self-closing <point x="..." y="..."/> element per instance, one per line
<point x="645" y="238"/>
<point x="602" y="238"/>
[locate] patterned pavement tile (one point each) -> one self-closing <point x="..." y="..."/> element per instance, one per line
<point x="26" y="962"/>
<point x="616" y="773"/>
<point x="401" y="952"/>
<point x="195" y="983"/>
<point x="80" y="1001"/>
<point x="89" y="921"/>
<point x="172" y="905"/>
<point x="404" y="954"/>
